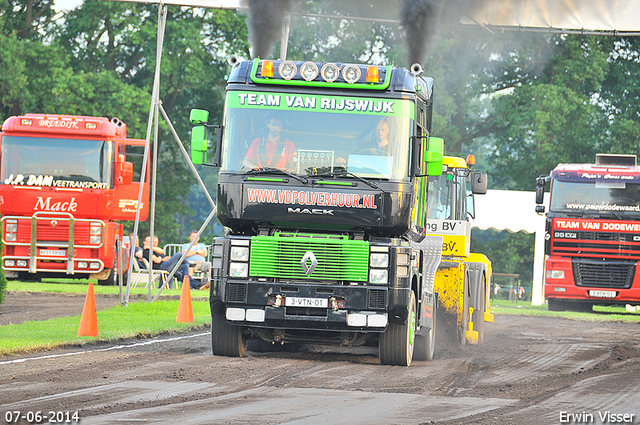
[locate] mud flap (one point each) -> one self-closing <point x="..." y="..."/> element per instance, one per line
<point x="431" y="248"/>
<point x="475" y="271"/>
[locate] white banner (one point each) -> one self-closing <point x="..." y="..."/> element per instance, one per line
<point x="606" y="15"/>
<point x="574" y="15"/>
<point x="213" y="4"/>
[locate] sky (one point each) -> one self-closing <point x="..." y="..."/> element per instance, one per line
<point x="59" y="5"/>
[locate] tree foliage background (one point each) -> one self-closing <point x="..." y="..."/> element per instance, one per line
<point x="521" y="102"/>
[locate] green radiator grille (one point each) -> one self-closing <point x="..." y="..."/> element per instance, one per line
<point x="338" y="258"/>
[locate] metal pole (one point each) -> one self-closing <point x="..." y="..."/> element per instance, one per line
<point x="284" y="42"/>
<point x="162" y="17"/>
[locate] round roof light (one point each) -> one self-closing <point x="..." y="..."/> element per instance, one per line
<point x="287" y="70"/>
<point x="329" y="72"/>
<point x="309" y="71"/>
<point x="351" y="73"/>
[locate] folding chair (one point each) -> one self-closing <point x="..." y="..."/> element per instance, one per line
<point x="142" y="275"/>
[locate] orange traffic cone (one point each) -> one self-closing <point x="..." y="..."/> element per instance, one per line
<point x="185" y="308"/>
<point x="89" y="319"/>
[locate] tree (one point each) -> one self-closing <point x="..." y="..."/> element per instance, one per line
<point x="120" y="39"/>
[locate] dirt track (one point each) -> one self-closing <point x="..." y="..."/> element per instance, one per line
<point x="529" y="371"/>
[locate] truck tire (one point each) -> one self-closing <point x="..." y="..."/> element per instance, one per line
<point x="425" y="345"/>
<point x="478" y="312"/>
<point x="397" y="342"/>
<point x="111" y="278"/>
<point x="226" y="339"/>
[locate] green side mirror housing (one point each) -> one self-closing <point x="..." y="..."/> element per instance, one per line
<point x="199" y="116"/>
<point x="199" y="144"/>
<point x="434" y="155"/>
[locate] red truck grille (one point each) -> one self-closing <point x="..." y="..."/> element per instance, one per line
<point x="59" y="233"/>
<point x="603" y="274"/>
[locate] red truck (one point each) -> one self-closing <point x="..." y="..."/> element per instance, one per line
<point x="592" y="239"/>
<point x="64" y="182"/>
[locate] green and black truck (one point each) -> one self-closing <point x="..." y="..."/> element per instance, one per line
<point x="326" y="236"/>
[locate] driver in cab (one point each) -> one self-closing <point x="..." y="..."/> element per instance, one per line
<point x="271" y="150"/>
<point x="380" y="144"/>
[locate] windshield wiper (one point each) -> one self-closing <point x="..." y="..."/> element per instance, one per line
<point x="303" y="180"/>
<point x="349" y="174"/>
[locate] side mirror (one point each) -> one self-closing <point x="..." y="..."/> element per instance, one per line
<point x="479" y="182"/>
<point x="540" y="209"/>
<point x="123" y="171"/>
<point x="203" y="152"/>
<point x="127" y="173"/>
<point x="199" y="116"/>
<point x="539" y="194"/>
<point x="540" y="182"/>
<point x="434" y="155"/>
<point x="199" y="145"/>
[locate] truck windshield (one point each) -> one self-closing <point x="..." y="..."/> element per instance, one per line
<point x="40" y="161"/>
<point x="440" y="198"/>
<point x="309" y="135"/>
<point x="616" y="198"/>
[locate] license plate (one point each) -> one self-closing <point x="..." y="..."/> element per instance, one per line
<point x="53" y="252"/>
<point x="602" y="294"/>
<point x="306" y="302"/>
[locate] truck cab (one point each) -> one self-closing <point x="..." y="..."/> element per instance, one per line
<point x="463" y="279"/>
<point x="64" y="182"/>
<point x="324" y="240"/>
<point x="592" y="233"/>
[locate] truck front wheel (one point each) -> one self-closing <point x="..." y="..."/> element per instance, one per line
<point x="226" y="339"/>
<point x="109" y="279"/>
<point x="397" y="342"/>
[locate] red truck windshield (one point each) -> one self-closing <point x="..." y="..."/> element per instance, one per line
<point x="618" y="198"/>
<point x="40" y="161"/>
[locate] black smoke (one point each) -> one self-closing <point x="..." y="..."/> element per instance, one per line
<point x="420" y="21"/>
<point x="265" y="22"/>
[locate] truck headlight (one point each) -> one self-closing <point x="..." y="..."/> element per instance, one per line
<point x="555" y="274"/>
<point x="95" y="240"/>
<point x="402" y="271"/>
<point x="379" y="276"/>
<point x="379" y="260"/>
<point x="238" y="269"/>
<point x="239" y="253"/>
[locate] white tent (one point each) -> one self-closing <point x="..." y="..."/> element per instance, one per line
<point x="515" y="211"/>
<point x="615" y="16"/>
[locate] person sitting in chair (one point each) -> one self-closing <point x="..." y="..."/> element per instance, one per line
<point x="164" y="262"/>
<point x="196" y="257"/>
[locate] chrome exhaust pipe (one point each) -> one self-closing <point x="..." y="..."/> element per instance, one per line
<point x="416" y="70"/>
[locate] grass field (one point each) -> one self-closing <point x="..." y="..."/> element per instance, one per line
<point x="138" y="319"/>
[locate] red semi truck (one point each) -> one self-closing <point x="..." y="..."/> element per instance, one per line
<point x="592" y="239"/>
<point x="64" y="183"/>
